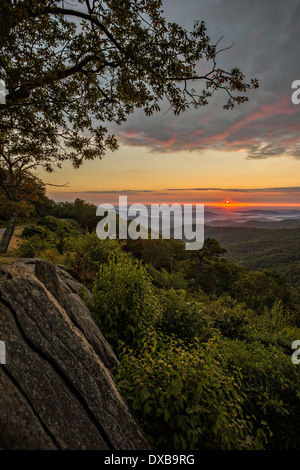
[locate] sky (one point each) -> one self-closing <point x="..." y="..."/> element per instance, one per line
<point x="249" y="155"/>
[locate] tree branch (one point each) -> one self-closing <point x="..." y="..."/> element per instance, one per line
<point x="84" y="16"/>
<point x="65" y="185"/>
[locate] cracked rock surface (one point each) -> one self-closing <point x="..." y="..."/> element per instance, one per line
<point x="57" y="389"/>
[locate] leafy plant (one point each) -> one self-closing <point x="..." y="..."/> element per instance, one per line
<point x="183" y="398"/>
<point x="124" y="302"/>
<point x="85" y="254"/>
<point x="271" y="384"/>
<point x="182" y="317"/>
<point x="229" y="317"/>
<point x="37" y="247"/>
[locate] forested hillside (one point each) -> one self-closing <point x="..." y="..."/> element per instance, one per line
<point x="262" y="249"/>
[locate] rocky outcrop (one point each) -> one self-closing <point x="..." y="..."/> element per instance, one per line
<point x="57" y="389"/>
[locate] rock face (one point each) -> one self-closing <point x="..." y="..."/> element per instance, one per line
<point x="57" y="389"/>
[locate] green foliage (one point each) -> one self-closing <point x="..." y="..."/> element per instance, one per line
<point x="161" y="254"/>
<point x="37" y="247"/>
<point x="276" y="326"/>
<point x="262" y="289"/>
<point x="165" y="280"/>
<point x="124" y="302"/>
<point x="205" y="368"/>
<point x="277" y="319"/>
<point x="55" y="225"/>
<point x="83" y="212"/>
<point x="50" y="224"/>
<point x="183" y="398"/>
<point x="171" y="266"/>
<point x="261" y="249"/>
<point x="34" y="230"/>
<point x="183" y="318"/>
<point x="229" y="317"/>
<point x="187" y="390"/>
<point x="271" y="384"/>
<point x="85" y="254"/>
<point x="44" y="206"/>
<point x="201" y="264"/>
<point x="50" y="233"/>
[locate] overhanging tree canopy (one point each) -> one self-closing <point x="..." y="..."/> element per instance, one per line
<point x="70" y="67"/>
<point x="67" y="68"/>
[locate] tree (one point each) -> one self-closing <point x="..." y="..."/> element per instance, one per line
<point x="210" y="252"/>
<point x="44" y="206"/>
<point x="60" y="75"/>
<point x="69" y="70"/>
<point x="262" y="289"/>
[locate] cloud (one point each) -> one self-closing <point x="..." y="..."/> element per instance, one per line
<point x="281" y="190"/>
<point x="271" y="150"/>
<point x="121" y="191"/>
<point x="287" y="190"/>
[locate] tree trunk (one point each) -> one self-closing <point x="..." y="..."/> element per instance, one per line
<point x="8" y="233"/>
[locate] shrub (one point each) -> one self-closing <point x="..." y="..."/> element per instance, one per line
<point x="262" y="289"/>
<point x="277" y="319"/>
<point x="229" y="317"/>
<point x="183" y="318"/>
<point x="55" y="225"/>
<point x="52" y="232"/>
<point x="165" y="280"/>
<point x="85" y="254"/>
<point x="182" y="397"/>
<point x="275" y="326"/>
<point x="124" y="302"/>
<point x="33" y="230"/>
<point x="271" y="384"/>
<point x="37" y="247"/>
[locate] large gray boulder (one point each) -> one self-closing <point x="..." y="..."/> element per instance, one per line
<point x="57" y="389"/>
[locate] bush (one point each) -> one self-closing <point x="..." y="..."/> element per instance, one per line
<point x="183" y="318"/>
<point x="55" y="225"/>
<point x="276" y="326"/>
<point x="262" y="289"/>
<point x="85" y="254"/>
<point x="182" y="397"/>
<point x="34" y="230"/>
<point x="228" y="317"/>
<point x="165" y="280"/>
<point x="52" y="233"/>
<point x="275" y="320"/>
<point x="37" y="247"/>
<point x="124" y="302"/>
<point x="271" y="384"/>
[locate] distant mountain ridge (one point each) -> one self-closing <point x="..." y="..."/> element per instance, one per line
<point x="265" y="224"/>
